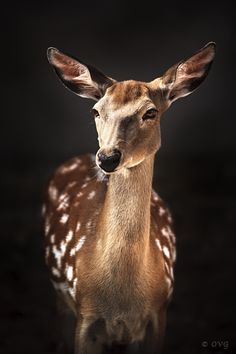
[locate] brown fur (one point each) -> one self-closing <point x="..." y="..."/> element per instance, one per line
<point x="129" y="279"/>
<point x="126" y="91"/>
<point x="109" y="241"/>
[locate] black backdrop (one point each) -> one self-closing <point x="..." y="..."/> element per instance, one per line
<point x="42" y="124"/>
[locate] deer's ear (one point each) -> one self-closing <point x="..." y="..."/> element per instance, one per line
<point x="84" y="80"/>
<point x="183" y="78"/>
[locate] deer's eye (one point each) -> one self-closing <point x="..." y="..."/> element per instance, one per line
<point x="95" y="113"/>
<point x="150" y="114"/>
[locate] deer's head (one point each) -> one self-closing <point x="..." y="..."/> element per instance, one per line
<point x="127" y="113"/>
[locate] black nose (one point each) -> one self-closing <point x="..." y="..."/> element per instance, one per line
<point x="109" y="163"/>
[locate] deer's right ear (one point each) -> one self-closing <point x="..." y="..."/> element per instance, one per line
<point x="84" y="80"/>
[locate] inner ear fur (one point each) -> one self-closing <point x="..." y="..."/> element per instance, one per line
<point x="82" y="79"/>
<point x="184" y="77"/>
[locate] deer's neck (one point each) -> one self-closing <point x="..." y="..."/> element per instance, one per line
<point x="126" y="211"/>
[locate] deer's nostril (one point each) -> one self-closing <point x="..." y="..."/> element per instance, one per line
<point x="109" y="162"/>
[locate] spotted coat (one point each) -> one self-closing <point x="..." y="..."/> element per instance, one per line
<point x="76" y="187"/>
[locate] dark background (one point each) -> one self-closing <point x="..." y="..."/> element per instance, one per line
<point x="42" y="124"/>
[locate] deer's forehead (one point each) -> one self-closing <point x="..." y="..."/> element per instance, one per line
<point x="125" y="97"/>
<point x="125" y="92"/>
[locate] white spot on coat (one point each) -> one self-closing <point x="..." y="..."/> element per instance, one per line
<point x="69" y="272"/>
<point x="52" y="238"/>
<point x="161" y="211"/>
<point x="78" y="226"/>
<point x="155" y="196"/>
<point x="80" y="243"/>
<point x="79" y="194"/>
<point x="64" y="218"/>
<point x="56" y="272"/>
<point x="63" y="202"/>
<point x="75" y="283"/>
<point x="59" y="253"/>
<point x="78" y="246"/>
<point x="72" y="252"/>
<point x="63" y="247"/>
<point x="72" y="184"/>
<point x="66" y="169"/>
<point x="89" y="223"/>
<point x="158" y="244"/>
<point x="84" y="185"/>
<point x="53" y="192"/>
<point x="71" y="292"/>
<point x="166" y="251"/>
<point x="69" y="236"/>
<point x="165" y="232"/>
<point x="62" y="197"/>
<point x="91" y="195"/>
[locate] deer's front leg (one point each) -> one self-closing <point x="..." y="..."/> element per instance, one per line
<point x="89" y="336"/>
<point x="154" y="337"/>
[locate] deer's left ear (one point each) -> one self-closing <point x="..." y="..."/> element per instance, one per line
<point x="84" y="80"/>
<point x="183" y="78"/>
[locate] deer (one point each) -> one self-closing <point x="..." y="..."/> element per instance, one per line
<point x="110" y="246"/>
